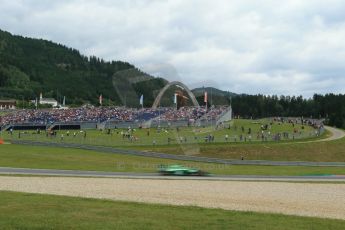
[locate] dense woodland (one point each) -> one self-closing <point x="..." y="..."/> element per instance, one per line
<point x="329" y="106"/>
<point x="31" y="66"/>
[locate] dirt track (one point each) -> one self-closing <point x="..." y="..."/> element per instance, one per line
<point x="320" y="200"/>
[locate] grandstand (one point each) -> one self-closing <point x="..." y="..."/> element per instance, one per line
<point x="107" y="117"/>
<point x="121" y="117"/>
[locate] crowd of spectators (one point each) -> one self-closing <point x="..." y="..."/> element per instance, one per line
<point x="184" y="113"/>
<point x="214" y="112"/>
<point x="102" y="114"/>
<point x="192" y="113"/>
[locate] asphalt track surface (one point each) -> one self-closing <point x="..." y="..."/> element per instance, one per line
<point x="125" y="175"/>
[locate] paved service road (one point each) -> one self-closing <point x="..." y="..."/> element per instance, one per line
<point x="336" y="134"/>
<point x="78" y="173"/>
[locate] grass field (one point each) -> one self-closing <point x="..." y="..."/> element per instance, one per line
<point x="287" y="149"/>
<point x="332" y="151"/>
<point x="251" y="133"/>
<point x="33" y="211"/>
<point x="61" y="158"/>
<point x="58" y="158"/>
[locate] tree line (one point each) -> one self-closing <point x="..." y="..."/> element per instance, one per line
<point x="29" y="67"/>
<point x="330" y="107"/>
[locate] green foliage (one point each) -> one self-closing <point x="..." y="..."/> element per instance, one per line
<point x="150" y="89"/>
<point x="329" y="106"/>
<point x="13" y="77"/>
<point x="31" y="66"/>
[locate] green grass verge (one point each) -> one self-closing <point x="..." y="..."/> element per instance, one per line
<point x="23" y="156"/>
<point x="330" y="151"/>
<point x="33" y="211"/>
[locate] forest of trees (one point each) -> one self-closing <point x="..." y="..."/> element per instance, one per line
<point x="31" y="66"/>
<point x="329" y="106"/>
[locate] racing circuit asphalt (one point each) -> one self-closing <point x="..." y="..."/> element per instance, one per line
<point x="125" y="175"/>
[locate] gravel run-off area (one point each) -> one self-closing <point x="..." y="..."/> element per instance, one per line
<point x="304" y="199"/>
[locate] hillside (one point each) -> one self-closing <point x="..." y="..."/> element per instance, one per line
<point x="215" y="96"/>
<point x="213" y="91"/>
<point x="31" y="66"/>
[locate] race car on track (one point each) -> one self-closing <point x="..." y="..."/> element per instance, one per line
<point x="180" y="170"/>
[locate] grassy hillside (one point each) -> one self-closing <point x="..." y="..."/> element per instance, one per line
<point x="31" y="66"/>
<point x="215" y="96"/>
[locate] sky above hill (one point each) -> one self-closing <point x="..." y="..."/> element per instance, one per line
<point x="294" y="47"/>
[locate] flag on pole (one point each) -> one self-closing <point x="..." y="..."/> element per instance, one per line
<point x="141" y="101"/>
<point x="175" y="98"/>
<point x="100" y="99"/>
<point x="205" y="97"/>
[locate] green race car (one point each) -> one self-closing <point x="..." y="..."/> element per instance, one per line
<point x="180" y="170"/>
